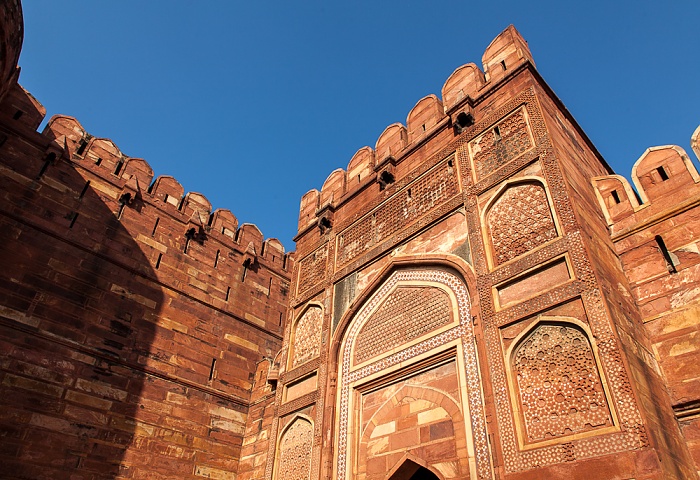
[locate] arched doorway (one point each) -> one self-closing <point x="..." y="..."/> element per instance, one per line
<point x="408" y="380"/>
<point x="410" y="470"/>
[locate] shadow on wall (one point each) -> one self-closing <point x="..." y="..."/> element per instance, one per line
<point x="76" y="312"/>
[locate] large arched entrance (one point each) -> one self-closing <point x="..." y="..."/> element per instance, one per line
<point x="409" y="383"/>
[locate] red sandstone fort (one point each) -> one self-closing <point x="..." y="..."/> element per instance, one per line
<point x="477" y="297"/>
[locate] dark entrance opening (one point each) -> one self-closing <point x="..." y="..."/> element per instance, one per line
<point x="410" y="470"/>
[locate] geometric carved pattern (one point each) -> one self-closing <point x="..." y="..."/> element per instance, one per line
<point x="559" y="385"/>
<point x="493" y="148"/>
<point x="407" y="314"/>
<point x="307" y="336"/>
<point x="632" y="433"/>
<point x="312" y="269"/>
<point x="519" y="221"/>
<point x="423" y="195"/>
<point x="295" y="451"/>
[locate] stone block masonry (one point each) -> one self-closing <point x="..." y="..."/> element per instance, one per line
<point x="477" y="297"/>
<point x="133" y="319"/>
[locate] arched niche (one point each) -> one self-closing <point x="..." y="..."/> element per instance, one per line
<point x="519" y="218"/>
<point x="557" y="386"/>
<point x="293" y="456"/>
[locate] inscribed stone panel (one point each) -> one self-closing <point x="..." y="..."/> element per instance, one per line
<point x="558" y="383"/>
<point x="295" y="451"/>
<point x="519" y="221"/>
<point x="307" y="336"/>
<point x="407" y="313"/>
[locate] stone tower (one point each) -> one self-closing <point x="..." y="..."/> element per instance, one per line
<point x="459" y="310"/>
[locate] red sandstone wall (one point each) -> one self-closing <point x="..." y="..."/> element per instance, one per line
<point x="663" y="275"/>
<point x="579" y="164"/>
<point x="133" y="318"/>
<point x="11" y="36"/>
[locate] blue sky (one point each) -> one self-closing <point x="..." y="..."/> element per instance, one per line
<point x="255" y="103"/>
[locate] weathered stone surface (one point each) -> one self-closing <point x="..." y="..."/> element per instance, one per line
<point x="477" y="297"/>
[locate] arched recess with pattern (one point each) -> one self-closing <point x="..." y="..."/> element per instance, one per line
<point x="517" y="219"/>
<point x="557" y="385"/>
<point x="305" y="339"/>
<point x="293" y="458"/>
<point x="444" y="352"/>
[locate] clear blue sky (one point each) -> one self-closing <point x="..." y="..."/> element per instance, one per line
<point x="254" y="103"/>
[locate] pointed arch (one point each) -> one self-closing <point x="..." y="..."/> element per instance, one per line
<point x="444" y="261"/>
<point x="449" y="352"/>
<point x="305" y="335"/>
<point x="410" y="467"/>
<point x="557" y="384"/>
<point x="517" y="219"/>
<point x="294" y="447"/>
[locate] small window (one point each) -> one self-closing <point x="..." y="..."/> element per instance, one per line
<point x="497" y="133"/>
<point x="84" y="190"/>
<point x="385" y="178"/>
<point x="662" y="173"/>
<point x="670" y="265"/>
<point x="118" y="168"/>
<point x="615" y="196"/>
<point x="81" y="147"/>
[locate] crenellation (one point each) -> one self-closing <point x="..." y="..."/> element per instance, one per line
<point x="462" y="86"/>
<point x="392" y="141"/>
<point x="333" y="189"/>
<point x="423" y="117"/>
<point x="661" y="175"/>
<point x="310" y="202"/>
<point x="428" y="119"/>
<point x="507" y="51"/>
<point x="139" y="170"/>
<point x="360" y="168"/>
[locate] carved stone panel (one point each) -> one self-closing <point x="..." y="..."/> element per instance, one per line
<point x="407" y="314"/>
<point x="312" y="270"/>
<point x="295" y="451"/>
<point x="500" y="144"/>
<point x="559" y="387"/>
<point x="420" y="197"/>
<point x="519" y="220"/>
<point x="307" y="337"/>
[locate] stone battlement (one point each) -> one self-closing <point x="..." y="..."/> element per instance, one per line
<point x="666" y="183"/>
<point x="372" y="166"/>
